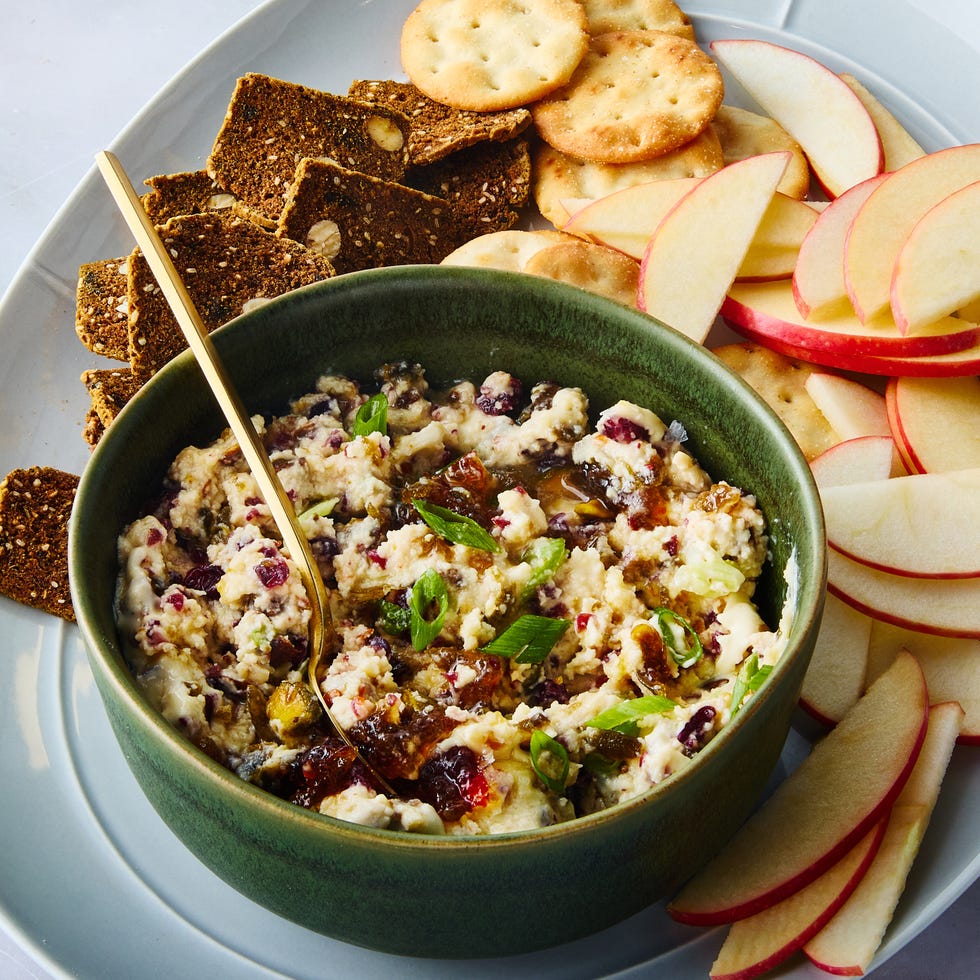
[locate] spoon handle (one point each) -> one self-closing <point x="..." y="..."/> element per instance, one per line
<point x="280" y="506"/>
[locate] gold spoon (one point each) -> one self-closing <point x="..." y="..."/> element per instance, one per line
<point x="321" y="638"/>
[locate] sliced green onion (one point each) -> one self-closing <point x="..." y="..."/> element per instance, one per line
<point x="545" y="556"/>
<point x="601" y="765"/>
<point x="749" y="678"/>
<point x="454" y="527"/>
<point x="529" y="639"/>
<point x="625" y="716"/>
<point x="372" y="416"/>
<point x="673" y="629"/>
<point x="323" y="509"/>
<point x="394" y="619"/>
<point x="550" y="761"/>
<point x="429" y="588"/>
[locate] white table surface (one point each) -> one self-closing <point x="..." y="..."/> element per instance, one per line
<point x="72" y="78"/>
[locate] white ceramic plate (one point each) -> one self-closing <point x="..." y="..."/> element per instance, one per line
<point x="93" y="883"/>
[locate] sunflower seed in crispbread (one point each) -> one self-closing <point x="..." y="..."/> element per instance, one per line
<point x="102" y="309"/>
<point x="636" y="95"/>
<point x="746" y="134"/>
<point x="780" y="381"/>
<point x="271" y="125"/>
<point x="637" y="15"/>
<point x="486" y="185"/>
<point x="595" y="268"/>
<point x="227" y="264"/>
<point x="509" y="250"/>
<point x="361" y="222"/>
<point x="109" y="390"/>
<point x="556" y="176"/>
<point x="488" y="55"/>
<point x="35" y="507"/>
<point x="191" y="192"/>
<point x="92" y="428"/>
<point x="436" y="129"/>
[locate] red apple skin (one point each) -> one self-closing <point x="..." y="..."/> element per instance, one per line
<point x="912" y="462"/>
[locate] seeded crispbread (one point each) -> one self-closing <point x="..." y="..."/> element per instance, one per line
<point x="438" y="130"/>
<point x="226" y="263"/>
<point x="747" y="134"/>
<point x="189" y="192"/>
<point x="488" y="55"/>
<point x="270" y="125"/>
<point x="637" y="15"/>
<point x="557" y="176"/>
<point x="109" y="390"/>
<point x="102" y="307"/>
<point x="92" y="428"/>
<point x="508" y="250"/>
<point x="35" y="507"/>
<point x="486" y="185"/>
<point x="636" y="95"/>
<point x="362" y="222"/>
<point x="781" y="382"/>
<point x="595" y="268"/>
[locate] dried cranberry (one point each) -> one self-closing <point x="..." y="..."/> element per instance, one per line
<point x="272" y="572"/>
<point x="204" y="578"/>
<point x="453" y="783"/>
<point x="622" y="429"/>
<point x="695" y="733"/>
<point x="548" y="692"/>
<point x="176" y="600"/>
<point x="499" y="401"/>
<point x="326" y="769"/>
<point x="154" y="536"/>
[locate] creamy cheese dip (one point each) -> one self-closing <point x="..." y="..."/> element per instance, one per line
<point x="537" y="617"/>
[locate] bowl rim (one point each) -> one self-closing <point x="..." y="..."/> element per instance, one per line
<point x="114" y="672"/>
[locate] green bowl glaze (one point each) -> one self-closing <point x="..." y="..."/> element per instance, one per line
<point x="453" y="897"/>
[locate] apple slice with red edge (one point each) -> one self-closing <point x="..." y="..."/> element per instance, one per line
<point x="814" y="105"/>
<point x="818" y="278"/>
<point x="906" y="526"/>
<point x="695" y="252"/>
<point x="951" y="666"/>
<point x="776" y="244"/>
<point x="625" y="219"/>
<point x="945" y="607"/>
<point x="934" y="422"/>
<point x="821" y="810"/>
<point x="764" y="940"/>
<point x="886" y="219"/>
<point x="848" y="942"/>
<point x="854" y="461"/>
<point x="834" y="680"/>
<point x="937" y="270"/>
<point x="898" y="145"/>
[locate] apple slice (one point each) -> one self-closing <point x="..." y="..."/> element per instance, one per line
<point x="625" y="219"/>
<point x="951" y="666"/>
<point x="695" y="252"/>
<point x="818" y="279"/>
<point x="887" y="217"/>
<point x="937" y="270"/>
<point x="768" y="309"/>
<point x="776" y="244"/>
<point x="812" y="104"/>
<point x="821" y="810"/>
<point x="926" y="525"/>
<point x="834" y="680"/>
<point x="847" y="944"/>
<point x="934" y="422"/>
<point x="897" y="143"/>
<point x="762" y="941"/>
<point x="945" y="607"/>
<point x="855" y="461"/>
<point x="851" y="408"/>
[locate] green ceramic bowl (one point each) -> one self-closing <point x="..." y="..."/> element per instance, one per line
<point x="453" y="897"/>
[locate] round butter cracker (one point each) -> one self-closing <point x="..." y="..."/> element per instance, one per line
<point x="637" y="15"/>
<point x="509" y="250"/>
<point x="595" y="268"/>
<point x="488" y="55"/>
<point x="636" y="95"/>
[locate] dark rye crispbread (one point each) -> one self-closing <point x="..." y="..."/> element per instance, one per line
<point x="110" y="390"/>
<point x="225" y="262"/>
<point x="486" y="185"/>
<point x="270" y="125"/>
<point x="102" y="307"/>
<point x="190" y="192"/>
<point x="35" y="506"/>
<point x="364" y="222"/>
<point x="437" y="129"/>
